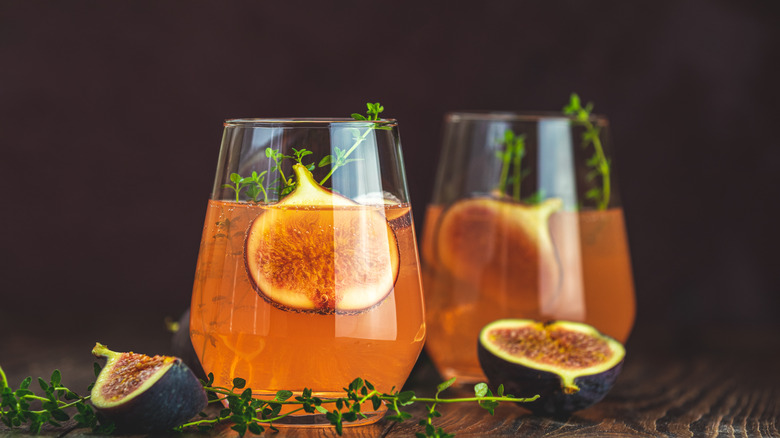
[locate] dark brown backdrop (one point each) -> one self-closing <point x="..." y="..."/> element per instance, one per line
<point x="110" y="122"/>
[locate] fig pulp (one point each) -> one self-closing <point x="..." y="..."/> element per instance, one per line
<point x="569" y="364"/>
<point x="502" y="245"/>
<point x="318" y="252"/>
<point x="143" y="394"/>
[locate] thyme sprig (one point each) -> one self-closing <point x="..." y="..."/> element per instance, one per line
<point x="23" y="407"/>
<point x="598" y="162"/>
<point x="282" y="184"/>
<point x="244" y="413"/>
<point x="340" y="156"/>
<point x="253" y="415"/>
<point x="511" y="156"/>
<point x="253" y="185"/>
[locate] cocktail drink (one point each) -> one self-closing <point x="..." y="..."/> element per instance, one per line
<point x="525" y="222"/>
<point x="311" y="278"/>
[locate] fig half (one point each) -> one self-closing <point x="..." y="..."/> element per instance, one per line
<point x="318" y="252"/>
<point x="143" y="394"/>
<point x="570" y="365"/>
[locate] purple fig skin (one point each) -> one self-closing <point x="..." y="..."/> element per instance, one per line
<point x="522" y="381"/>
<point x="172" y="400"/>
<point x="558" y="396"/>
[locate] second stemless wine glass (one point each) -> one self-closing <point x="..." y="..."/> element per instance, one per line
<point x="308" y="273"/>
<point x="525" y="222"/>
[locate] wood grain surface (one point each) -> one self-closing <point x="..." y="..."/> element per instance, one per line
<point x="678" y="383"/>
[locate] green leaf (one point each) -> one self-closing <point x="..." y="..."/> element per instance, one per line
<point x="239" y="383"/>
<point x="60" y="415"/>
<point x="240" y="428"/>
<point x="357" y="116"/>
<point x="445" y="385"/>
<point x="255" y="428"/>
<point x="327" y="159"/>
<point x="321" y="409"/>
<point x="593" y="194"/>
<point x="481" y="389"/>
<point x="405" y="398"/>
<point x="25" y="383"/>
<point x="56" y="378"/>
<point x="283" y="395"/>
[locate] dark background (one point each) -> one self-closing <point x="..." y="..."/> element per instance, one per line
<point x="111" y="117"/>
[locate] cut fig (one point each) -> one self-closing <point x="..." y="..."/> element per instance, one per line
<point x="501" y="245"/>
<point x="143" y="394"/>
<point x="570" y="365"/>
<point x="318" y="252"/>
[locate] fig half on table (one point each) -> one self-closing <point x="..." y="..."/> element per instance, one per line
<point x="143" y="394"/>
<point x="570" y="365"/>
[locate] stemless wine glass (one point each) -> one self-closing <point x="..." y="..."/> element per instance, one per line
<point x="308" y="273"/>
<point x="525" y="222"/>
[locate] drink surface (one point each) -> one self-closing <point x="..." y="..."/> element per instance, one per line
<point x="237" y="332"/>
<point x="595" y="287"/>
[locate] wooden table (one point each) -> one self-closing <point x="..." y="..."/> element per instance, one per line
<point x="682" y="382"/>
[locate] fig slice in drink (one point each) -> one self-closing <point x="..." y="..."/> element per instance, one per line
<point x="318" y="252"/>
<point x="501" y="244"/>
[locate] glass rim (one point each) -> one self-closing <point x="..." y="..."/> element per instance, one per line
<point x="517" y="116"/>
<point x="309" y="122"/>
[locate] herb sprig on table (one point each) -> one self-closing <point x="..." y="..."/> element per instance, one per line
<point x="24" y="407"/>
<point x="243" y="413"/>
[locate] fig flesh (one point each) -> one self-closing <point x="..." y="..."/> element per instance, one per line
<point x="504" y="246"/>
<point x="318" y="252"/>
<point x="570" y="365"/>
<point x="143" y="394"/>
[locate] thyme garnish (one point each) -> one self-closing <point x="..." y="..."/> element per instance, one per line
<point x="598" y="162"/>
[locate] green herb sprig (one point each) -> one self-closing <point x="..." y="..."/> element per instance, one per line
<point x="253" y="184"/>
<point x="253" y="415"/>
<point x="511" y="156"/>
<point x="340" y="156"/>
<point x="287" y="184"/>
<point x="598" y="162"/>
<point x="283" y="184"/>
<point x="23" y="406"/>
<point x="243" y="413"/>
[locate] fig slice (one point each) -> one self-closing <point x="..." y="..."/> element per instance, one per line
<point x="319" y="252"/>
<point x="502" y="246"/>
<point x="143" y="394"/>
<point x="571" y="365"/>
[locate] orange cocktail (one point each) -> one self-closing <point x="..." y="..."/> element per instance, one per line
<point x="308" y="274"/>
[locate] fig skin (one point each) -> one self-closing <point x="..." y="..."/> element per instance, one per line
<point x="557" y="397"/>
<point x="174" y="398"/>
